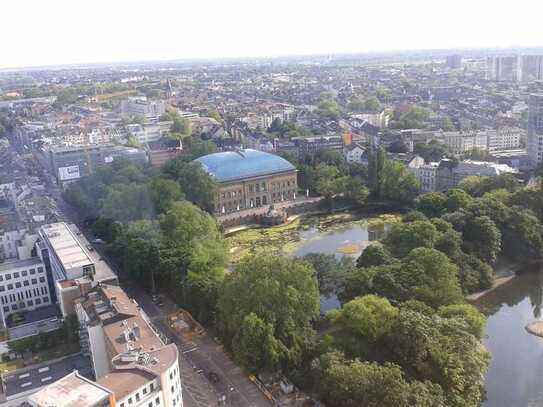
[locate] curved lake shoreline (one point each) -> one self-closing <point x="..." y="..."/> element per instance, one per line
<point x="515" y="375"/>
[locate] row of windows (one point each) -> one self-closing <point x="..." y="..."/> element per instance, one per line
<point x="18" y="284"/>
<point x="18" y="274"/>
<point x="6" y="299"/>
<point x="30" y="303"/>
<point x="144" y="392"/>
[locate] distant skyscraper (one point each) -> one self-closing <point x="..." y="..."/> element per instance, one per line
<point x="454" y="61"/>
<point x="535" y="128"/>
<point x="531" y="68"/>
<point x="503" y="68"/>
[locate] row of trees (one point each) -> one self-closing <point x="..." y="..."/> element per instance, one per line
<point x="157" y="228"/>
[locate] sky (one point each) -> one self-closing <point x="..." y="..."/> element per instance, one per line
<point x="49" y="32"/>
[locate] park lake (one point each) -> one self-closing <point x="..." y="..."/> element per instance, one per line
<point x="515" y="376"/>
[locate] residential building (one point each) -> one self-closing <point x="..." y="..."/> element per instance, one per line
<point x="460" y="143"/>
<point x="73" y="390"/>
<point x="450" y="173"/>
<point x="535" y="129"/>
<point x="249" y="178"/>
<point x="426" y="173"/>
<point x="504" y="138"/>
<point x="355" y="153"/>
<point x="128" y="356"/>
<point x="309" y="146"/>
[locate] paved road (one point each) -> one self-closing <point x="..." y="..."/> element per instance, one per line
<point x="200" y="356"/>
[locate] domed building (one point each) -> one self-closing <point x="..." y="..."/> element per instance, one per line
<point x="249" y="178"/>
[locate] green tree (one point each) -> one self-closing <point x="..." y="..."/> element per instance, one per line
<point x="254" y="346"/>
<point x="404" y="237"/>
<point x="482" y="238"/>
<point x="329" y="109"/>
<point x="457" y="199"/>
<point x="468" y="314"/>
<point x="201" y="148"/>
<point x="399" y="185"/>
<point x="128" y="202"/>
<point x="432" y="151"/>
<point x="431" y="204"/>
<point x="198" y="186"/>
<point x="431" y="277"/>
<point x="441" y="350"/>
<point x="164" y="192"/>
<point x="193" y="257"/>
<point x="282" y="292"/>
<point x="374" y="255"/>
<point x="523" y="236"/>
<point x="352" y="383"/>
<point x="366" y="318"/>
<point x="376" y="163"/>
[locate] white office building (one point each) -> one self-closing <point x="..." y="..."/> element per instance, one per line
<point x="23" y="286"/>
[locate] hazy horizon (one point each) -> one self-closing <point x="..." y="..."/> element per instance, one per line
<point x="67" y="32"/>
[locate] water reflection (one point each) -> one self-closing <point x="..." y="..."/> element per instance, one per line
<point x="515" y="376"/>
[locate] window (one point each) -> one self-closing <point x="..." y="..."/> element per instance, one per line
<point x="16" y="275"/>
<point x="6" y="309"/>
<point x="40" y="269"/>
<point x="8" y="276"/>
<point x="152" y="387"/>
<point x="1" y="278"/>
<point x="14" y="307"/>
<point x="45" y="299"/>
<point x="18" y="284"/>
<point x="150" y="404"/>
<point x="171" y="376"/>
<point x="2" y="288"/>
<point x="38" y="301"/>
<point x="24" y="273"/>
<point x="172" y="389"/>
<point x="137" y="397"/>
<point x="32" y="271"/>
<point x="10" y="286"/>
<point x="30" y="303"/>
<point x="144" y="390"/>
<point x="34" y="281"/>
<point x="130" y="400"/>
<point x="42" y="279"/>
<point x="26" y="283"/>
<point x="157" y="401"/>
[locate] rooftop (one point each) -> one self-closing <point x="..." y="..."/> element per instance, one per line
<point x="235" y="165"/>
<point x="10" y="265"/>
<point x="66" y="246"/>
<point x="72" y="390"/>
<point x="37" y="376"/>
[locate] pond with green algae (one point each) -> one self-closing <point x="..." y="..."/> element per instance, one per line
<point x="345" y="234"/>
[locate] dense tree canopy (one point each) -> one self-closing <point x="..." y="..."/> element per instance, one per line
<point x="279" y="291"/>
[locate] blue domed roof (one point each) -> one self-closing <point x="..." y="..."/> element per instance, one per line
<point x="239" y="164"/>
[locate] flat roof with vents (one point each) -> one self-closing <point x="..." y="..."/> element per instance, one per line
<point x="66" y="246"/>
